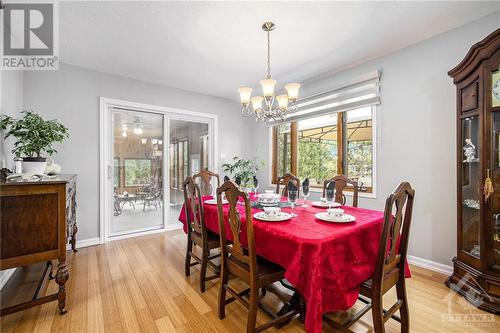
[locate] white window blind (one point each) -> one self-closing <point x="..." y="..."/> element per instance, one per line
<point x="363" y="91"/>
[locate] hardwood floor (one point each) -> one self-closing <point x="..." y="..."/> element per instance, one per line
<point x="138" y="285"/>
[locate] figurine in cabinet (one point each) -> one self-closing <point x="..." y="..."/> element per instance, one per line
<point x="469" y="151"/>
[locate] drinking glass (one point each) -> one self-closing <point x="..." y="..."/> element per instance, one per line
<point x="292" y="199"/>
<point x="256" y="187"/>
<point x="329" y="194"/>
<point x="305" y="193"/>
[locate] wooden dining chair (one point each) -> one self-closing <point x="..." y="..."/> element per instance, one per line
<point x="284" y="180"/>
<point x="205" y="177"/>
<point x="390" y="266"/>
<point x="341" y="182"/>
<point x="241" y="261"/>
<point x="197" y="234"/>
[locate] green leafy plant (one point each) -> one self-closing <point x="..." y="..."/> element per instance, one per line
<point x="245" y="169"/>
<point x="34" y="134"/>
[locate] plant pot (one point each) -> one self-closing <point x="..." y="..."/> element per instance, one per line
<point x="34" y="165"/>
<point x="247" y="189"/>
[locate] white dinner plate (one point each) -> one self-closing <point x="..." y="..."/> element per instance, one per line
<point x="344" y="218"/>
<point x="214" y="202"/>
<point x="322" y="204"/>
<point x="282" y="216"/>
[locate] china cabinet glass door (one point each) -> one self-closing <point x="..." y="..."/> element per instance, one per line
<point x="495" y="158"/>
<point x="471" y="185"/>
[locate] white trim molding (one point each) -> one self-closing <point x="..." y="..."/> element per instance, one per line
<point x="85" y="243"/>
<point x="430" y="265"/>
<point x="106" y="151"/>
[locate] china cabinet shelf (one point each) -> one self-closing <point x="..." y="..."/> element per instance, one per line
<point x="476" y="268"/>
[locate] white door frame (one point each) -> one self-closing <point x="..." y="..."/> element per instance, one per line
<point x="106" y="150"/>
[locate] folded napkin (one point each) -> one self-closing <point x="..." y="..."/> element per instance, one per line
<point x="226" y="178"/>
<point x="305" y="182"/>
<point x="238" y="180"/>
<point x="292" y="186"/>
<point x="255" y="182"/>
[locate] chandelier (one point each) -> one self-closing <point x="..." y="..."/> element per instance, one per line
<point x="269" y="107"/>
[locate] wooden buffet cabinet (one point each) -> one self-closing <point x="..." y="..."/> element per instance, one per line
<point x="476" y="268"/>
<point x="37" y="221"/>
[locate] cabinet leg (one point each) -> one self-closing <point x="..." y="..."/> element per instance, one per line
<point x="62" y="276"/>
<point x="73" y="238"/>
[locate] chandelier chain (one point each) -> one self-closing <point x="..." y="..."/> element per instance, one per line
<point x="268" y="55"/>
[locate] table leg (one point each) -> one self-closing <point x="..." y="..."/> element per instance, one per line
<point x="62" y="276"/>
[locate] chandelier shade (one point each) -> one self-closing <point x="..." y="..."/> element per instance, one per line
<point x="269" y="107"/>
<point x="257" y="102"/>
<point x="245" y="94"/>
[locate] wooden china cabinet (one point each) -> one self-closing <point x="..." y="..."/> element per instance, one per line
<point x="476" y="268"/>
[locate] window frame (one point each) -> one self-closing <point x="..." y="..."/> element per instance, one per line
<point x="341" y="152"/>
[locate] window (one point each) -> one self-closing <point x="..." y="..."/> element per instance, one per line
<point x="326" y="145"/>
<point x="204" y="152"/>
<point x="179" y="163"/>
<point x="137" y="172"/>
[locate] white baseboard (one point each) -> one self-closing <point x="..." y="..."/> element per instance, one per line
<point x="173" y="226"/>
<point x="430" y="265"/>
<point x="5" y="276"/>
<point x="85" y="243"/>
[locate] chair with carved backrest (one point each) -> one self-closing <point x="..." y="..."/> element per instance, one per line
<point x="205" y="177"/>
<point x="390" y="266"/>
<point x="341" y="182"/>
<point x="198" y="234"/>
<point x="284" y="180"/>
<point x="241" y="261"/>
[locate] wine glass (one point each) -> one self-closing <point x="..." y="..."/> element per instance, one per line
<point x="292" y="199"/>
<point x="329" y="194"/>
<point x="255" y="187"/>
<point x="305" y="194"/>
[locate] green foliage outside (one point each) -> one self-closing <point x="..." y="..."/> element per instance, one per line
<point x="317" y="160"/>
<point x="137" y="171"/>
<point x="359" y="161"/>
<point x="34" y="134"/>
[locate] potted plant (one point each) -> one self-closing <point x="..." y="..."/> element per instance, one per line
<point x="34" y="135"/>
<point x="244" y="169"/>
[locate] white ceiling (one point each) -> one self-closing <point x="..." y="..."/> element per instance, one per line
<point x="216" y="47"/>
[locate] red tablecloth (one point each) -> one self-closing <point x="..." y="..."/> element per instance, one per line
<point x="325" y="262"/>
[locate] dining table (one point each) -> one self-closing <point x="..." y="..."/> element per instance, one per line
<point x="325" y="262"/>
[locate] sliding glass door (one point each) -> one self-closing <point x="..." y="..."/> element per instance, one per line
<point x="189" y="152"/>
<point x="146" y="154"/>
<point x="138" y="171"/>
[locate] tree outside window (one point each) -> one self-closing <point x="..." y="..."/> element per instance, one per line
<point x="317" y="153"/>
<point x="137" y="172"/>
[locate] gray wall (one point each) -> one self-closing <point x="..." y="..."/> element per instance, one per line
<point x="11" y="103"/>
<point x="416" y="136"/>
<point x="71" y="95"/>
